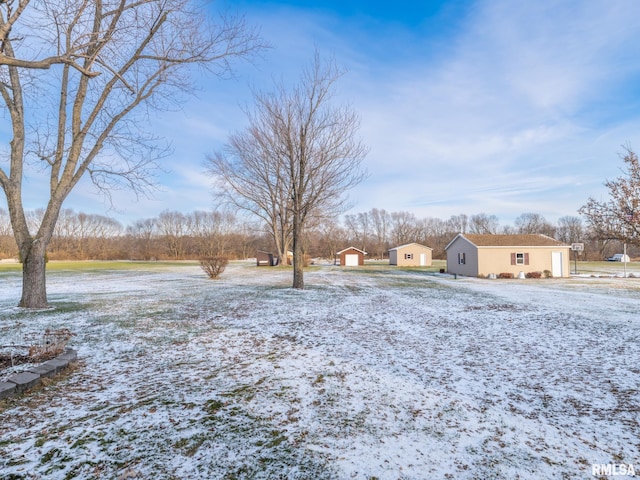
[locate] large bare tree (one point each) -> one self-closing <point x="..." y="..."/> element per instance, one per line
<point x="296" y="159"/>
<point x="534" y="223"/>
<point x="619" y="217"/>
<point x="481" y="223"/>
<point x="78" y="79"/>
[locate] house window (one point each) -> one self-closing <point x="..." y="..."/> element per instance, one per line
<point x="519" y="259"/>
<point x="462" y="258"/>
<point x="408" y="256"/>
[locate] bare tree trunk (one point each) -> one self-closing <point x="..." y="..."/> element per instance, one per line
<point x="298" y="254"/>
<point x="281" y="243"/>
<point x="34" y="289"/>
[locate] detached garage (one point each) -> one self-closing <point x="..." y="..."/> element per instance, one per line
<point x="350" y="257"/>
<point x="481" y="255"/>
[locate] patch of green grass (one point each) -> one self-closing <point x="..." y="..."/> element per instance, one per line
<point x="275" y="438"/>
<point x="96" y="266"/>
<point x="213" y="406"/>
<point x="77" y="470"/>
<point x="189" y="446"/>
<point x="604" y="267"/>
<point x="40" y="441"/>
<point x="50" y="455"/>
<point x="246" y="392"/>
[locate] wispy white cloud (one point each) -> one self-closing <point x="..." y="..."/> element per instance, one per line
<point x="517" y="91"/>
<point x="509" y="107"/>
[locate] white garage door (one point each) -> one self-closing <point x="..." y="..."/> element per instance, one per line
<point x="351" y="260"/>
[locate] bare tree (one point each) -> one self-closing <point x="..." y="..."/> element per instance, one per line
<point x="482" y="223"/>
<point x="619" y="217"/>
<point x="570" y="229"/>
<point x="112" y="58"/>
<point x="142" y="232"/>
<point x="435" y="233"/>
<point x="532" y="223"/>
<point x="297" y="157"/>
<point x="404" y="228"/>
<point x="211" y="231"/>
<point x="331" y="239"/>
<point x="458" y="223"/>
<point x="81" y="235"/>
<point x="173" y="227"/>
<point x="357" y="224"/>
<point x="381" y="224"/>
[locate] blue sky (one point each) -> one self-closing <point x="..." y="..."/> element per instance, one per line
<point x="494" y="106"/>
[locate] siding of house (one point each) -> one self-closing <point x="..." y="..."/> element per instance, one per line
<point x="462" y="258"/>
<point x="500" y="260"/>
<point x="409" y="255"/>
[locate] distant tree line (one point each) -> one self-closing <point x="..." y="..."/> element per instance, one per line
<point x="174" y="235"/>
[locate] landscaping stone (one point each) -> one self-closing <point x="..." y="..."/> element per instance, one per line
<point x="58" y="364"/>
<point x="68" y="354"/>
<point x="43" y="370"/>
<point x="24" y="380"/>
<point x="7" y="389"/>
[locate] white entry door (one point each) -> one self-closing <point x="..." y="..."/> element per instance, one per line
<point x="423" y="259"/>
<point x="351" y="260"/>
<point x="556" y="264"/>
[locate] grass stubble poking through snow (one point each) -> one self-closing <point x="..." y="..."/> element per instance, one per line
<point x="371" y="373"/>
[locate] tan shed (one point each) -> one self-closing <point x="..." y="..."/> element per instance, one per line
<point x="350" y="257"/>
<point x="411" y="255"/>
<point x="481" y="255"/>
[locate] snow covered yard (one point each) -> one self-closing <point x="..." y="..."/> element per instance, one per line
<point x="370" y="373"/>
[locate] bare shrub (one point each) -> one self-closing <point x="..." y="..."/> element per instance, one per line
<point x="547" y="274"/>
<point x="505" y="275"/>
<point x="50" y="344"/>
<point x="213" y="266"/>
<point x="534" y="275"/>
<point x="38" y="347"/>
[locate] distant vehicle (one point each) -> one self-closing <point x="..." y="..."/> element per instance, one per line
<point x="619" y="257"/>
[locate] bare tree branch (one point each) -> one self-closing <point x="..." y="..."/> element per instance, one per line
<point x="113" y="58"/>
<point x="619" y="217"/>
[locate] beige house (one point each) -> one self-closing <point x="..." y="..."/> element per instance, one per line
<point x="481" y="255"/>
<point x="411" y="255"/>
